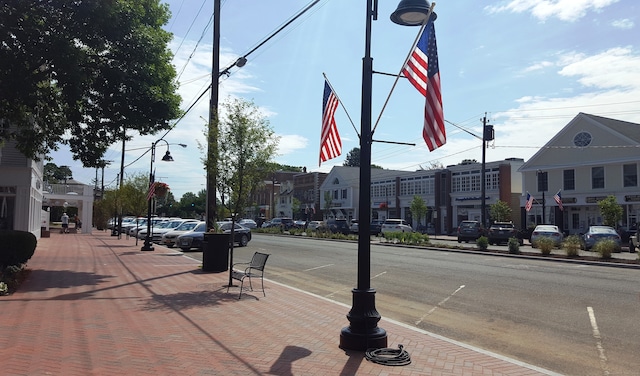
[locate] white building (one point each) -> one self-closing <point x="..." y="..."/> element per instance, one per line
<point x="591" y="158"/>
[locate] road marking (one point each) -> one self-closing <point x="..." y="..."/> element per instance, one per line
<point x="598" y="337"/>
<point x="318" y="267"/>
<point x="439" y="305"/>
<point x="378" y="275"/>
<point x="331" y="295"/>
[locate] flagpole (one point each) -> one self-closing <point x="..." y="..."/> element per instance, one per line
<point x="340" y="101"/>
<point x="395" y="82"/>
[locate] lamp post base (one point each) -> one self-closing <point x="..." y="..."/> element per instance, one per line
<point x="147" y="247"/>
<point x="363" y="333"/>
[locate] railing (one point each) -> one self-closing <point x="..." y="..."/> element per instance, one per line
<point x="65" y="189"/>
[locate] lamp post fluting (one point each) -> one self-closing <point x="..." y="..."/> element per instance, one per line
<point x="363" y="332"/>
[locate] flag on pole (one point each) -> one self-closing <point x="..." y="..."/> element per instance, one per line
<point x="152" y="191"/>
<point x="423" y="72"/>
<point x="330" y="143"/>
<point x="558" y="199"/>
<point x="529" y="203"/>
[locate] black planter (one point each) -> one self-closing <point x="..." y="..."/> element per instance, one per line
<point x="215" y="253"/>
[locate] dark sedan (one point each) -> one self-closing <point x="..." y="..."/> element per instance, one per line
<point x="195" y="238"/>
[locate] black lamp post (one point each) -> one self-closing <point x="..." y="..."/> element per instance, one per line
<point x="148" y="246"/>
<point x="542" y="186"/>
<point x="363" y="331"/>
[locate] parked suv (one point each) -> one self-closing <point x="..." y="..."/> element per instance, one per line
<point x="395" y="225"/>
<point x="469" y="230"/>
<point x="338" y="225"/>
<point x="283" y="223"/>
<point x="501" y="232"/>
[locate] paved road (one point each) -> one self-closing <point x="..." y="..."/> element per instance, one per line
<point x="573" y="319"/>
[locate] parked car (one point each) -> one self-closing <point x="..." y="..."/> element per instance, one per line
<point x="299" y="224"/>
<point x="599" y="233"/>
<point x="314" y="225"/>
<point x="354" y="226"/>
<point x="284" y="223"/>
<point x="194" y="238"/>
<point x="501" y="232"/>
<point x="248" y="223"/>
<point x="170" y="237"/>
<point x="469" y="231"/>
<point x="546" y="231"/>
<point x="395" y="225"/>
<point x="376" y="227"/>
<point x="337" y="226"/>
<point x="162" y="228"/>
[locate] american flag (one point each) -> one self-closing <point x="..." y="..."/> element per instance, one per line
<point x="152" y="191"/>
<point x="529" y="203"/>
<point x="423" y="72"/>
<point x="330" y="143"/>
<point x="558" y="199"/>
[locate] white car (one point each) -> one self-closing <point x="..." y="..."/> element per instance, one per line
<point x="395" y="225"/>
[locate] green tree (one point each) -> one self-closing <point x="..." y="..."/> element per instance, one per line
<point x="295" y="208"/>
<point x="418" y="208"/>
<point x="353" y="159"/>
<point x="83" y="72"/>
<point x="500" y="211"/>
<point x="246" y="143"/>
<point x="54" y="174"/>
<point x="610" y="210"/>
<point x="328" y="202"/>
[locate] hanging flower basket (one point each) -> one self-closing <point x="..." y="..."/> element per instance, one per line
<point x="160" y="189"/>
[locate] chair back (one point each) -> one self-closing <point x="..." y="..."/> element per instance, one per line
<point x="258" y="261"/>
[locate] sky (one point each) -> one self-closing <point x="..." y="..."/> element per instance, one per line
<point x="530" y="65"/>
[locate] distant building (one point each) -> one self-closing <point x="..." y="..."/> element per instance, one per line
<point x="591" y="158"/>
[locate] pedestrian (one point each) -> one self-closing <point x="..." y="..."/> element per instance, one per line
<point x="65" y="223"/>
<point x="78" y="224"/>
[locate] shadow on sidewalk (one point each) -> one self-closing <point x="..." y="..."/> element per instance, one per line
<point x="43" y="280"/>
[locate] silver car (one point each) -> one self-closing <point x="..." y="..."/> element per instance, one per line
<point x="546" y="231"/>
<point x="599" y="233"/>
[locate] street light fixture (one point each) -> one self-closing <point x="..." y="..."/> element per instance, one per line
<point x="363" y="331"/>
<point x="147" y="246"/>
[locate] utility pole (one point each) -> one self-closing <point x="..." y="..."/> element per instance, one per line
<point x="487" y="135"/>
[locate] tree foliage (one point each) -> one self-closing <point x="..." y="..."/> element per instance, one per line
<point x="56" y="174"/>
<point x="82" y="72"/>
<point x="500" y="211"/>
<point x="353" y="159"/>
<point x="418" y="208"/>
<point x="246" y="145"/>
<point x="610" y="210"/>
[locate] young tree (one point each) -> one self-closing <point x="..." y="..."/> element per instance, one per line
<point x="611" y="211"/>
<point x="418" y="208"/>
<point x="246" y="145"/>
<point x="328" y="201"/>
<point x="83" y="72"/>
<point x="500" y="211"/>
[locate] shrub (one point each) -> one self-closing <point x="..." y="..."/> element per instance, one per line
<point x="16" y="247"/>
<point x="514" y="245"/>
<point x="605" y="248"/>
<point x="572" y="245"/>
<point x="482" y="243"/>
<point x="546" y="245"/>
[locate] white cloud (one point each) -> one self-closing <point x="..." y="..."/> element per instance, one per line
<point x="566" y="10"/>
<point x="538" y="66"/>
<point x="290" y="143"/>
<point x="623" y="23"/>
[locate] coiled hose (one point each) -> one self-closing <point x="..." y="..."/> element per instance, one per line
<point x="389" y="357"/>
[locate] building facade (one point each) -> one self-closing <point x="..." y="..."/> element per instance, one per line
<point x="591" y="158"/>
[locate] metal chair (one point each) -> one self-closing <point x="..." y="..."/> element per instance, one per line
<point x="254" y="269"/>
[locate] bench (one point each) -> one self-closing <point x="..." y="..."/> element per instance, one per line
<point x="253" y="269"/>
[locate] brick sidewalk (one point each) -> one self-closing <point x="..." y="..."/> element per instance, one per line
<point x="97" y="305"/>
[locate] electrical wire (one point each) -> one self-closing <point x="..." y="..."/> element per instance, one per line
<point x="388" y="356"/>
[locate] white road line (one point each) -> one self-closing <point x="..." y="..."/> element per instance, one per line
<point x="318" y="267"/>
<point x="596" y="335"/>
<point x="439" y="305"/>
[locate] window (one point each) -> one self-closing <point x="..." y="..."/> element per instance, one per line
<point x="569" y="180"/>
<point x="344" y="193"/>
<point x="630" y="175"/>
<point x="597" y="177"/>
